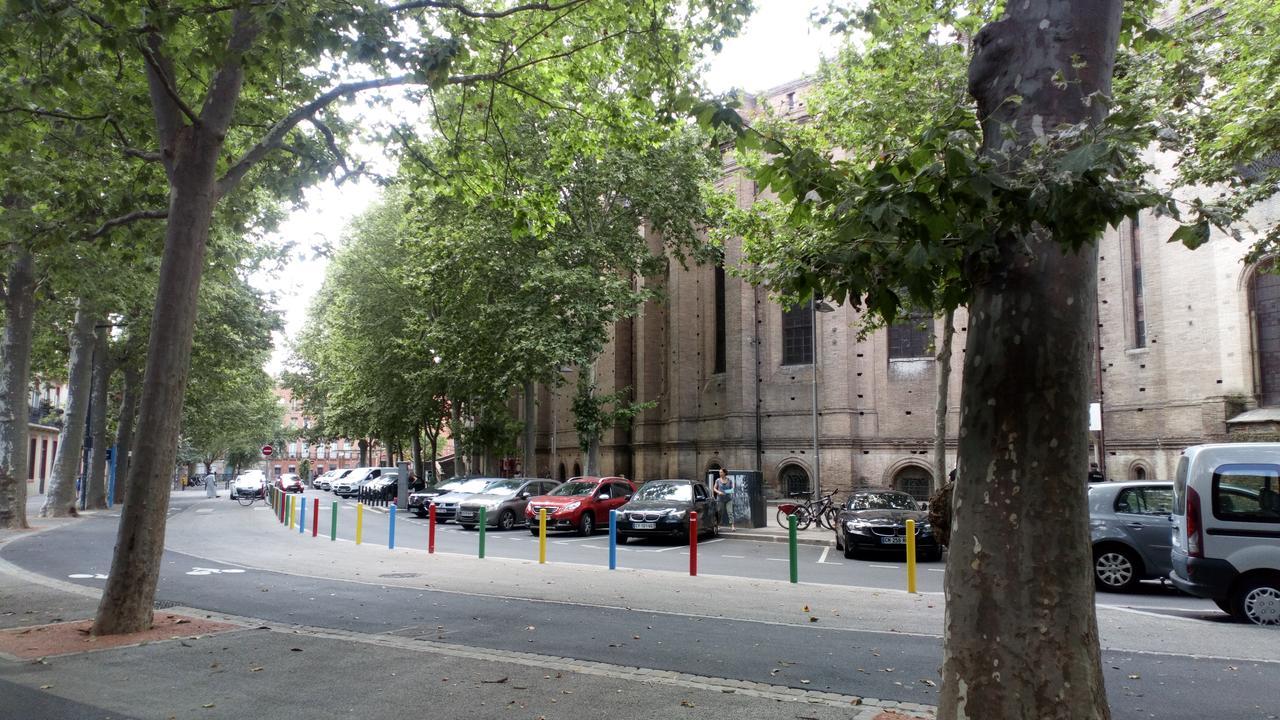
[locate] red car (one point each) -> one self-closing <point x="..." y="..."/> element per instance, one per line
<point x="582" y="504"/>
<point x="289" y="482"/>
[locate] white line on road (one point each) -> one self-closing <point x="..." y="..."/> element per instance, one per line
<point x="935" y="569"/>
<point x="668" y="549"/>
<point x="779" y="559"/>
<point x="822" y="560"/>
<point x="887" y="567"/>
<point x="735" y="557"/>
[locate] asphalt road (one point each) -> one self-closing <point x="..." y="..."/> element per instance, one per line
<point x="870" y="664"/>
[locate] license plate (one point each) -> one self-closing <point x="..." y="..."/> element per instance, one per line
<point x="466" y="514"/>
<point x="645" y="526"/>
<point x="894" y="540"/>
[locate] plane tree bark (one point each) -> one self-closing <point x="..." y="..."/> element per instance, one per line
<point x="1021" y="630"/>
<point x="96" y="497"/>
<point x="60" y="499"/>
<point x="15" y="372"/>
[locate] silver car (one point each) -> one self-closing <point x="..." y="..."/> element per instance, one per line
<point x="503" y="502"/>
<point x="447" y="504"/>
<point x="1131" y="527"/>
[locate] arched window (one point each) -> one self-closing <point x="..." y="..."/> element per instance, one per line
<point x="1264" y="301"/>
<point x="794" y="481"/>
<point x="914" y="481"/>
<point x="562" y="476"/>
<point x="577" y="470"/>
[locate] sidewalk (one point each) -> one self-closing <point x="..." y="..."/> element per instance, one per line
<point x="814" y="535"/>
<point x="237" y="667"/>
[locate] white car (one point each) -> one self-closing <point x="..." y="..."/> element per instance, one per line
<point x="252" y="483"/>
<point x="321" y="481"/>
<point x="1226" y="528"/>
<point x="350" y="484"/>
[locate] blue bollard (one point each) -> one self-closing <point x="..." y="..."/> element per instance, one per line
<point x="302" y="514"/>
<point x="391" y="534"/>
<point x="613" y="539"/>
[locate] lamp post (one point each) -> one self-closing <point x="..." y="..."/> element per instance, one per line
<point x="816" y="305"/>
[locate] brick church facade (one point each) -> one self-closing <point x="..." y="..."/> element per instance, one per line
<point x="1189" y="352"/>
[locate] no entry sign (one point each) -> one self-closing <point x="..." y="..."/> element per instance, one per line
<point x="267" y="450"/>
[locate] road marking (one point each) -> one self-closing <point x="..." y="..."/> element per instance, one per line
<point x="669" y="549"/>
<point x="213" y="571"/>
<point x="887" y="567"/>
<point x="204" y="511"/>
<point x="936" y="569"/>
<point x="712" y="541"/>
<point x="822" y="560"/>
<point x="735" y="557"/>
<point x="87" y="576"/>
<point x="779" y="559"/>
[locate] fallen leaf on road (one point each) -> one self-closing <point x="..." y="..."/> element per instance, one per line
<point x="1135" y="676"/>
<point x="804" y="682"/>
<point x="686" y="703"/>
<point x="255" y="669"/>
<point x="635" y="637"/>
<point x="930" y="683"/>
<point x="46" y="687"/>
<point x="806" y="609"/>
<point x="207" y="705"/>
<point x="813" y="619"/>
<point x="495" y="682"/>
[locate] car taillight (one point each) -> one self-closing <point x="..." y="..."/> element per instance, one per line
<point x="1195" y="528"/>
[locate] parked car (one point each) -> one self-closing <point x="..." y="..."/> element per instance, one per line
<point x="662" y="507"/>
<point x="1130" y="526"/>
<point x="348" y="485"/>
<point x="1226" y="528"/>
<point x="326" y="483"/>
<point x="503" y="502"/>
<point x="877" y="520"/>
<point x="420" y="500"/>
<point x="249" y="484"/>
<point x="447" y="504"/>
<point x="581" y="504"/>
<point x="289" y="482"/>
<point x="318" y="480"/>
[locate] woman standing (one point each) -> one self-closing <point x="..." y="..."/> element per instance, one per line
<point x="724" y="495"/>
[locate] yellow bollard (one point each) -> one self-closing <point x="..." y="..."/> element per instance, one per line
<point x="359" y="521"/>
<point x="293" y="507"/>
<point x="542" y="535"/>
<point x="911" y="556"/>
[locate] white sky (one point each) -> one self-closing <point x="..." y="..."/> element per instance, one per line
<point x="777" y="45"/>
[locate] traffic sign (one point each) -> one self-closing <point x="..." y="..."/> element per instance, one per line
<point x="267" y="450"/>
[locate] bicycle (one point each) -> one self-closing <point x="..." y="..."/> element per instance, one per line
<point x="822" y="511"/>
<point x="247" y="500"/>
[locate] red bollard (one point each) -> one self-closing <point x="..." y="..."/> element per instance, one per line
<point x="315" y="517"/>
<point x="431" y="530"/>
<point x="693" y="543"/>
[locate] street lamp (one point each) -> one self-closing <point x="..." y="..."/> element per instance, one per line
<point x="816" y="305"/>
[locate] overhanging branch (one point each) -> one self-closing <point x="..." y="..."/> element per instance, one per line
<point x="127" y="219"/>
<point x="465" y="11"/>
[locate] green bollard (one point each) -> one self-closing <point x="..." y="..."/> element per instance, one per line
<point x="791" y="537"/>
<point x="481" y="526"/>
<point x="333" y="524"/>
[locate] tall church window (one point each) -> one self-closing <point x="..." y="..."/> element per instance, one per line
<point x="797" y="334"/>
<point x="1264" y="298"/>
<point x="909" y="339"/>
<point x="1135" y="300"/>
<point x="721" y="347"/>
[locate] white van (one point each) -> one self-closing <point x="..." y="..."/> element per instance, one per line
<point x="1226" y="528"/>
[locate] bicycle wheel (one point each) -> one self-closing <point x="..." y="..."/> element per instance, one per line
<point x="804" y="518"/>
<point x="245" y="500"/>
<point x="829" y="517"/>
<point x="782" y="519"/>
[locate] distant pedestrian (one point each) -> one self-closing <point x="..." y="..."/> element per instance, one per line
<point x="723" y="489"/>
<point x="210" y="485"/>
<point x="1095" y="475"/>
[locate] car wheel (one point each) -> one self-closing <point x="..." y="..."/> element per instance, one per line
<point x="506" y="520"/>
<point x="419" y="512"/>
<point x="849" y="552"/>
<point x="467" y="527"/>
<point x="622" y="539"/>
<point x="586" y="524"/>
<point x="1116" y="569"/>
<point x="533" y="530"/>
<point x="1224" y="606"/>
<point x="1258" y="601"/>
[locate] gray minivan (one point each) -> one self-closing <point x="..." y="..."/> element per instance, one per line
<point x="1226" y="528"/>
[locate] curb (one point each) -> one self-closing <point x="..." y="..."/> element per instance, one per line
<point x="761" y="537"/>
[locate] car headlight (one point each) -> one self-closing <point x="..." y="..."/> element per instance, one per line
<point x="925" y="529"/>
<point x="677" y="514"/>
<point x="572" y="506"/>
<point x="856" y="525"/>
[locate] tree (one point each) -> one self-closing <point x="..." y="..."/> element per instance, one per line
<point x="208" y="152"/>
<point x="996" y="206"/>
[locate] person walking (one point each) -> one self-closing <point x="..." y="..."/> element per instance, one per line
<point x="210" y="484"/>
<point x="723" y="489"/>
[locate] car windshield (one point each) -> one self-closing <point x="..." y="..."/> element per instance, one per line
<point x="500" y="487"/>
<point x="665" y="491"/>
<point x="881" y="501"/>
<point x="574" y="488"/>
<point x="472" y="486"/>
<point x="449" y="486"/>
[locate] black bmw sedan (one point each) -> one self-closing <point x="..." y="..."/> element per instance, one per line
<point x="877" y="520"/>
<point x="661" y="508"/>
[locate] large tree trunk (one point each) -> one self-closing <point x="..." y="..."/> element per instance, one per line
<point x="130" y="383"/>
<point x="15" y="375"/>
<point x="364" y="452"/>
<point x="1021" y="631"/>
<point x="126" y="604"/>
<point x="97" y="475"/>
<point x="940" y="408"/>
<point x="432" y="432"/>
<point x="416" y="447"/>
<point x="61" y="498"/>
<point x="530" y="430"/>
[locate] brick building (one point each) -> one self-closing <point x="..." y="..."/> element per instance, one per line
<point x="1189" y="352"/>
<point x="337" y="454"/>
